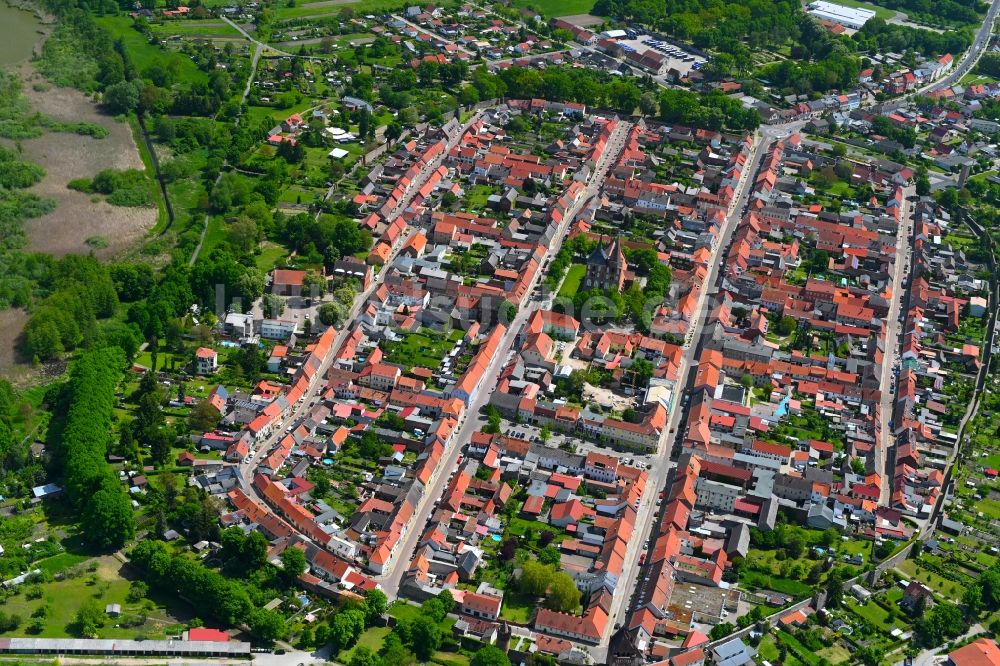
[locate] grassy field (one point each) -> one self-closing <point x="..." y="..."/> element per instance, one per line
<point x="571" y="284"/>
<point x="942" y="586"/>
<point x="408" y="613"/>
<point x="449" y="659"/>
<point x="757" y="579"/>
<point x="798" y="649"/>
<point x="477" y="195"/>
<point x="551" y="8"/>
<point x="269" y="255"/>
<point x="62" y="599"/>
<point x="517" y="607"/>
<point x="768" y="649"/>
<point x="835" y="654"/>
<point x="875" y="614"/>
<point x="989" y="507"/>
<point x="372" y="639"/>
<point x="194" y="29"/>
<point x="144" y="54"/>
<point x="285" y="12"/>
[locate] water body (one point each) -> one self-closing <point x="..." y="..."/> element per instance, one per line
<point x="20" y="33"/>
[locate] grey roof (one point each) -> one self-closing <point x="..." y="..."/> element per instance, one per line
<point x="122" y="647"/>
<point x="731" y="649"/>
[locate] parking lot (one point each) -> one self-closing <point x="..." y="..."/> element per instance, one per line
<point x="677" y="57"/>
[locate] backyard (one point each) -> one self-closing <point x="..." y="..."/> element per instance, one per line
<point x="423" y="348"/>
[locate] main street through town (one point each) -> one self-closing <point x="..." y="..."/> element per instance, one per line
<point x="891" y="347"/>
<point x="645" y="522"/>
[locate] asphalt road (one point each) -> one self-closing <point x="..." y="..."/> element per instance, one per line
<point x="892" y="338"/>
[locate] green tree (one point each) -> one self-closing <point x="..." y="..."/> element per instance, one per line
<point x="363" y="656"/>
<point x="244" y="234"/>
<point x="990" y="582"/>
<point x="293" y="564"/>
<point x="267" y="626"/>
<point x="88" y="619"/>
<point x="123" y="97"/>
<point x="535" y="578"/>
<point x="345" y="628"/>
<point x="376" y="604"/>
<point x="721" y="630"/>
<point x="489" y="655"/>
<point x="869" y="656"/>
<point x="795" y="546"/>
<point x="203" y="417"/>
<point x="394" y="653"/>
<point x="549" y="555"/>
<point x="835" y="587"/>
<point x="447" y="601"/>
<point x="273" y="306"/>
<point x="434" y="609"/>
<point x="972" y="599"/>
<point x="108" y="516"/>
<point x="425" y="636"/>
<point x="943" y="621"/>
<point x="332" y="313"/>
<point x="563" y="594"/>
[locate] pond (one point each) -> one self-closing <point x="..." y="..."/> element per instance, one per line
<point x="19" y="35"/>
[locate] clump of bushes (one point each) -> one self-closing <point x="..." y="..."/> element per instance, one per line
<point x="122" y="188"/>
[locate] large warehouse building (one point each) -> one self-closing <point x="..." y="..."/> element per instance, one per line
<point x="849" y="17"/>
<point x="124" y="648"/>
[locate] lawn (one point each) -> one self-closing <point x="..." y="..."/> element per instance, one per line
<point x="942" y="586"/>
<point x="759" y="580"/>
<point x="449" y="659"/>
<point x="477" y="195"/>
<point x="269" y="255"/>
<point x="426" y="349"/>
<point x="871" y="611"/>
<point x="408" y="613"/>
<point x="989" y="507"/>
<point x="855" y="547"/>
<point x="60" y="562"/>
<point x="835" y="654"/>
<point x="285" y="12"/>
<point x="768" y="649"/>
<point x="553" y="8"/>
<point x="371" y="639"/>
<point x="571" y="284"/>
<point x="797" y="648"/>
<point x="215" y="236"/>
<point x="517" y="607"/>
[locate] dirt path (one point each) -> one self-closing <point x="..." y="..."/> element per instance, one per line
<point x="67" y="156"/>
